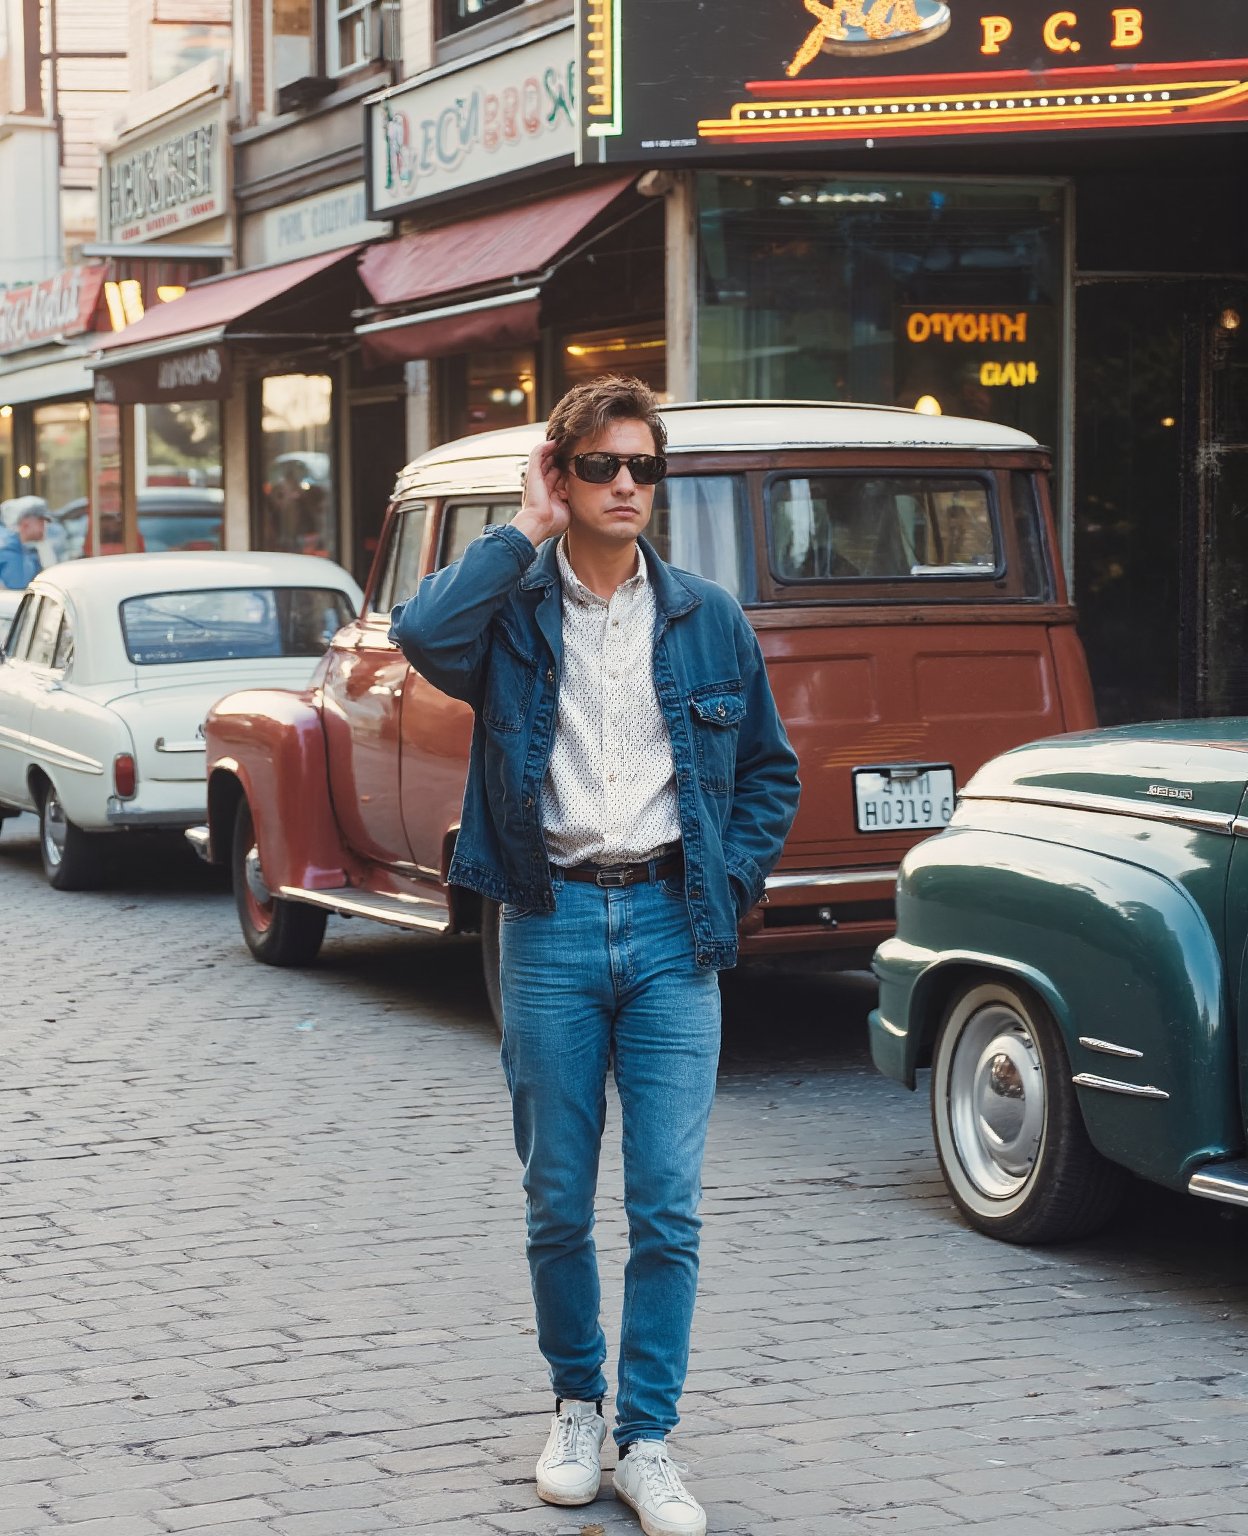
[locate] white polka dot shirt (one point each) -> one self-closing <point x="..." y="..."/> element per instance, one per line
<point x="610" y="791"/>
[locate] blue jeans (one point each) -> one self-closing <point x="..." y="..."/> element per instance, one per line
<point x="611" y="973"/>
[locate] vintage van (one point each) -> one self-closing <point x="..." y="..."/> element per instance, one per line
<point x="901" y="573"/>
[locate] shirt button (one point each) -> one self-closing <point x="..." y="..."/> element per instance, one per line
<point x="721" y="710"/>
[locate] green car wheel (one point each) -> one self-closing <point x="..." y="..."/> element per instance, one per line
<point x="1009" y="1133"/>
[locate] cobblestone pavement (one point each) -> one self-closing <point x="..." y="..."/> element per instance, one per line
<point x="262" y="1267"/>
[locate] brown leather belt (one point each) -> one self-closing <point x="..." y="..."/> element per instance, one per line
<point x="615" y="876"/>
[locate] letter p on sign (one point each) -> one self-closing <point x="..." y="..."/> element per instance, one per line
<point x="997" y="30"/>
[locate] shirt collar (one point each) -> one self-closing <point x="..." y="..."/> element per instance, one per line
<point x="580" y="593"/>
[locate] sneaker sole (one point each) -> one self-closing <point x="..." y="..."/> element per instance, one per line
<point x="568" y="1500"/>
<point x="653" y="1527"/>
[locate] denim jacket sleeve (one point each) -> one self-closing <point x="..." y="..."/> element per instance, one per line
<point x="444" y="631"/>
<point x="766" y="790"/>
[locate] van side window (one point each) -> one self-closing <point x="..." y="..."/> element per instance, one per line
<point x="400" y="574"/>
<point x="464" y="521"/>
<point x="701" y="524"/>
<point x="1029" y="535"/>
<point x="839" y="527"/>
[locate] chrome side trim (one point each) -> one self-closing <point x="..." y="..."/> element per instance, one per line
<point x="1227" y="1182"/>
<point x="180" y="746"/>
<point x="352" y="907"/>
<point x="1110" y="805"/>
<point x="1112" y="1085"/>
<point x="1239" y="827"/>
<point x="200" y="838"/>
<point x="1109" y="1048"/>
<point x="825" y="878"/>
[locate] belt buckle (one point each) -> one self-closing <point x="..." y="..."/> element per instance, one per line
<point x="614" y="877"/>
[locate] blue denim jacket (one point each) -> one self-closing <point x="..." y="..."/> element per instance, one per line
<point x="489" y="630"/>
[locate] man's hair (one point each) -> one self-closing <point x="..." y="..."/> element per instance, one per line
<point x="587" y="408"/>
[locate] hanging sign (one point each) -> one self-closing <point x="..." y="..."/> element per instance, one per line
<point x="63" y="305"/>
<point x="509" y="112"/>
<point x="668" y="81"/>
<point x="157" y="183"/>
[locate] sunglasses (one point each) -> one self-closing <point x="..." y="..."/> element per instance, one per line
<point x="602" y="468"/>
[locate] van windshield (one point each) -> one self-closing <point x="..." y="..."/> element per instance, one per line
<point x="700" y="524"/>
<point x="836" y="527"/>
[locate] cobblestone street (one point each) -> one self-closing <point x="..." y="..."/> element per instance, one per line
<point x="263" y="1266"/>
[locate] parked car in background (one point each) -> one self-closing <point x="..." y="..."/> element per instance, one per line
<point x="171" y="517"/>
<point x="110" y="667"/>
<point x="1071" y="959"/>
<point x="900" y="572"/>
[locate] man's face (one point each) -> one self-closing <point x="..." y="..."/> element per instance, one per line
<point x="619" y="510"/>
<point x="32" y="528"/>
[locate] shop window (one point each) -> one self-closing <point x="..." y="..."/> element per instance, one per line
<point x="638" y="351"/>
<point x="61" y="464"/>
<point x="178" y="444"/>
<point x="455" y="15"/>
<point x="486" y="390"/>
<point x="6" y="451"/>
<point x="942" y="296"/>
<point x="298" y="507"/>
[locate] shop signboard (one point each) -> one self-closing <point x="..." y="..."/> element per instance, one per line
<point x="674" y="81"/>
<point x="165" y="180"/>
<point x="507" y="113"/>
<point x="60" y="306"/>
<point x="323" y="222"/>
<point x="197" y="373"/>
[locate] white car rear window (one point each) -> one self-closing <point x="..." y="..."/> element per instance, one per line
<point x="232" y="624"/>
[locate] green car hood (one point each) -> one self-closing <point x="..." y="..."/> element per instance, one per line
<point x="1189" y="766"/>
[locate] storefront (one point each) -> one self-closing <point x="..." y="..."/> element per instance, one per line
<point x="513" y="274"/>
<point x="1031" y="215"/>
<point x="164" y="225"/>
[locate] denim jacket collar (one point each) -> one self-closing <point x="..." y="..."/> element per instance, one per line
<point x="672" y="594"/>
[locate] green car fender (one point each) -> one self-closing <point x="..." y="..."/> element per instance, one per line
<point x="1120" y="955"/>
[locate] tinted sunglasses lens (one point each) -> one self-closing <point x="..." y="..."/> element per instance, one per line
<point x="647" y="468"/>
<point x="596" y="468"/>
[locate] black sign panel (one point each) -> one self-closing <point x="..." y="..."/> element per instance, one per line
<point x="688" y="79"/>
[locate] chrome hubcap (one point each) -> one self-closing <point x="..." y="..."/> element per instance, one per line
<point x="54" y="829"/>
<point x="259" y="892"/>
<point x="996" y="1100"/>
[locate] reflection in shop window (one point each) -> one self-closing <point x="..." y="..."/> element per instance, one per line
<point x="487" y="390"/>
<point x="637" y="351"/>
<point x="455" y="15"/>
<point x="298" y="513"/>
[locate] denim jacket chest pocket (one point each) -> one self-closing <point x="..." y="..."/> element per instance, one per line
<point x="717" y="710"/>
<point x="509" y="682"/>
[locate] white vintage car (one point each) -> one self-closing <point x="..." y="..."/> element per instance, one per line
<point x="111" y="665"/>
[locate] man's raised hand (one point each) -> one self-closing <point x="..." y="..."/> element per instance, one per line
<point x="544" y="514"/>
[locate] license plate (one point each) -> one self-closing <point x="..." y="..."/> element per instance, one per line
<point x="904" y="797"/>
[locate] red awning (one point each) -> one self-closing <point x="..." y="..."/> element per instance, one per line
<point x="178" y="350"/>
<point x="437" y="275"/>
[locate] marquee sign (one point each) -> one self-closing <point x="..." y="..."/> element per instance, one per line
<point x="666" y="79"/>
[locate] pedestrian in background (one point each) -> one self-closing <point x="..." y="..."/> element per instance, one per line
<point x="25" y="523"/>
<point x="630" y="786"/>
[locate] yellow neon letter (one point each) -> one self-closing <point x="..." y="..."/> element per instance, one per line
<point x="997" y="30"/>
<point x="1128" y="28"/>
<point x="1055" y="29"/>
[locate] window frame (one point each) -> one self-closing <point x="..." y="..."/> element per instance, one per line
<point x="21" y="628"/>
<point x="383" y="600"/>
<point x="332" y="15"/>
<point x="56" y="608"/>
<point x="447" y="24"/>
<point x="450" y="506"/>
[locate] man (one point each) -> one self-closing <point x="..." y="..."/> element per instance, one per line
<point x="629" y="787"/>
<point x="25" y="527"/>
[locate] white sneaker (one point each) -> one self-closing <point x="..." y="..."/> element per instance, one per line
<point x="648" y="1481"/>
<point x="570" y="1468"/>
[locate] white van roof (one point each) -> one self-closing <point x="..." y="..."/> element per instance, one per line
<point x="489" y="461"/>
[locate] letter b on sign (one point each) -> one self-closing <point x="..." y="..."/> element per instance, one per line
<point x="1128" y="28"/>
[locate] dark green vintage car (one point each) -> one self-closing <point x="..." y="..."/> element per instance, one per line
<point x="1071" y="960"/>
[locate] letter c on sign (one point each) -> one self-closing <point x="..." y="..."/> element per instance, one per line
<point x="1055" y="29"/>
<point x="997" y="30"/>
